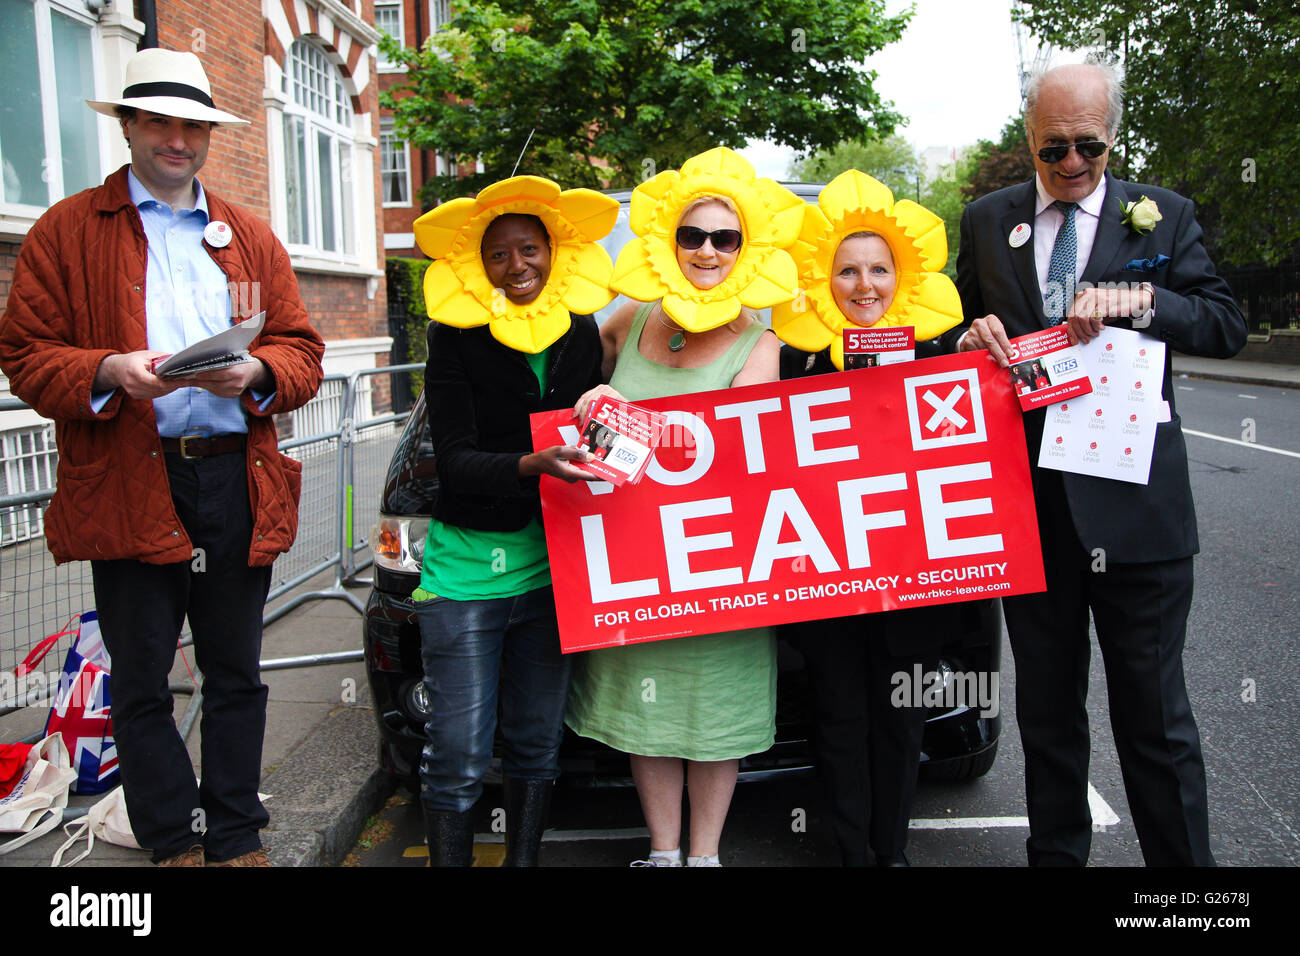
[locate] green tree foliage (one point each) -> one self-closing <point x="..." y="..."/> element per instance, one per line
<point x="945" y="196"/>
<point x="406" y="287"/>
<point x="617" y="90"/>
<point x="1211" y="101"/>
<point x="997" y="165"/>
<point x="890" y="159"/>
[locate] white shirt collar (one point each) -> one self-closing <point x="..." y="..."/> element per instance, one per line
<point x="140" y="194"/>
<point x="1091" y="203"/>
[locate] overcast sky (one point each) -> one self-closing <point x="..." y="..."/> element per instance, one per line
<point x="953" y="75"/>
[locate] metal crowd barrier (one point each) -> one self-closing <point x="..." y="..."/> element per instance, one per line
<point x="344" y="468"/>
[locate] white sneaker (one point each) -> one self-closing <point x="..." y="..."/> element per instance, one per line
<point x="703" y="861"/>
<point x="661" y="858"/>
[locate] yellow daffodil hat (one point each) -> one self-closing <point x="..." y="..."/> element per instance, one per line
<point x="764" y="273"/>
<point x="457" y="291"/>
<point x="923" y="297"/>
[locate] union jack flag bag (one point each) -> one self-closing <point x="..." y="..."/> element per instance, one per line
<point x="81" y="710"/>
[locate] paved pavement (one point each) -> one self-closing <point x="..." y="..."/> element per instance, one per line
<point x="320" y="775"/>
<point x="320" y="779"/>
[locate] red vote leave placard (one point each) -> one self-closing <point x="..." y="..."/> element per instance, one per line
<point x="861" y="491"/>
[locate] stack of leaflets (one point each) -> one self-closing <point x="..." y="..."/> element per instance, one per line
<point x="621" y="437"/>
<point x="226" y="348"/>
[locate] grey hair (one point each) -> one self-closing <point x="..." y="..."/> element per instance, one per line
<point x="1112" y="76"/>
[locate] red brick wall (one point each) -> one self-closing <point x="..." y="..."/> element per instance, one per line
<point x="8" y="258"/>
<point x="339" y="308"/>
<point x="229" y="39"/>
<point x="400" y="219"/>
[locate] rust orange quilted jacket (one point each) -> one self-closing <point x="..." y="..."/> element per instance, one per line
<point x="78" y="295"/>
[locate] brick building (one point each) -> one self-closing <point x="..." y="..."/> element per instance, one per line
<point x="303" y="71"/>
<point x="404" y="170"/>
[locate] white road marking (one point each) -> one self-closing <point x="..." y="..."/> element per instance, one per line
<point x="1243" y="444"/>
<point x="1251" y="397"/>
<point x="1102" y="814"/>
<point x="1186" y="388"/>
<point x="968" y="823"/>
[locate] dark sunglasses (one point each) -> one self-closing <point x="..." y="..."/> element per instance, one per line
<point x="724" y="240"/>
<point x="1091" y="149"/>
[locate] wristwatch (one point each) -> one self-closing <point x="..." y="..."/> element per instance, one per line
<point x="1143" y="320"/>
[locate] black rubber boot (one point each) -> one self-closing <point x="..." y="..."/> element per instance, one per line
<point x="451" y="837"/>
<point x="528" y="803"/>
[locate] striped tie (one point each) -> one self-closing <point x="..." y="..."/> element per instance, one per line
<point x="1059" y="294"/>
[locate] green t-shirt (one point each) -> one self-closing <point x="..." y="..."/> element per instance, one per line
<point x="465" y="564"/>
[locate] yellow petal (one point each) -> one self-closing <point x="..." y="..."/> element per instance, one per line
<point x="851" y="191"/>
<point x="701" y="316"/>
<point x="802" y="328"/>
<point x="632" y="274"/>
<point x="446" y="300"/>
<point x="837" y="352"/>
<point x="531" y="334"/>
<point x="927" y="232"/>
<point x="722" y="162"/>
<point x="591" y="213"/>
<point x="519" y="187"/>
<point x="777" y="280"/>
<point x="436" y="230"/>
<point x="586" y="287"/>
<point x="646" y="199"/>
<point x="786" y="212"/>
<point x="585" y="297"/>
<point x="935" y="306"/>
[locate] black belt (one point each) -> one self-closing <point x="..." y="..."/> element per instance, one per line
<point x="200" y="446"/>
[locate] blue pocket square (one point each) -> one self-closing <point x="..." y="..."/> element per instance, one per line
<point x="1153" y="264"/>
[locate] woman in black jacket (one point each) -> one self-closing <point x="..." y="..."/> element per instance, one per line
<point x="485" y="604"/>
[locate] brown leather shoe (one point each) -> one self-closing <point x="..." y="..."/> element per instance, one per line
<point x="191" y="857"/>
<point x="252" y="858"/>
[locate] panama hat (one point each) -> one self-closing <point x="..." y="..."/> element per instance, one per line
<point x="170" y="84"/>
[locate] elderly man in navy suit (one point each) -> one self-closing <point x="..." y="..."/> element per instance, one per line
<point x="1061" y="249"/>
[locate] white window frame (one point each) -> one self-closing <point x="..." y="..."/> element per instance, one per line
<point x="23" y="215"/>
<point x="388" y="137"/>
<point x="382" y="65"/>
<point x="339" y="130"/>
<point x="439" y="14"/>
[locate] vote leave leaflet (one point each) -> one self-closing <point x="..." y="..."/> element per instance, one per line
<point x="1046" y="368"/>
<point x="859" y="491"/>
<point x="871" y="348"/>
<point x="1111" y="432"/>
<point x="621" y="438"/>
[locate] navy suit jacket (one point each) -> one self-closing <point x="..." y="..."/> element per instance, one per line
<point x="1195" y="313"/>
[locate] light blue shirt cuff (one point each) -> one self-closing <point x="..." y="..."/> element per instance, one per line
<point x="262" y="403"/>
<point x="99" y="399"/>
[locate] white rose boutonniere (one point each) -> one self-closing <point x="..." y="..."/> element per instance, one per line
<point x="1141" y="216"/>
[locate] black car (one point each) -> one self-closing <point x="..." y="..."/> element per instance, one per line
<point x="960" y="742"/>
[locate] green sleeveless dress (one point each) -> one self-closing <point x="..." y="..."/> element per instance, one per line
<point x="711" y="697"/>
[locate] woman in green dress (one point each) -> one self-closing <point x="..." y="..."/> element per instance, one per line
<point x="687" y="709"/>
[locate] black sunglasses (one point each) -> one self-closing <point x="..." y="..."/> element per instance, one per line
<point x="1091" y="149"/>
<point x="724" y="240"/>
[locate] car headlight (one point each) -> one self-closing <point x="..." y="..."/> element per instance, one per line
<point x="418" y="704"/>
<point x="398" y="543"/>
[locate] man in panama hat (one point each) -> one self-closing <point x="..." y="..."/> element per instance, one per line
<point x="172" y="488"/>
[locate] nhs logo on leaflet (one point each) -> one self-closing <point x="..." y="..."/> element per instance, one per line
<point x="944" y="409"/>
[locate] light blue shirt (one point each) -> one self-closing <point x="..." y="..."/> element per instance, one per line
<point x="186" y="301"/>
